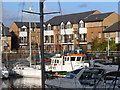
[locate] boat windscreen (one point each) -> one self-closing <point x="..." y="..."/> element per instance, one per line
<point x="72" y="74"/>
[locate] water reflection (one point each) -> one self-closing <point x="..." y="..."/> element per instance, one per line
<point x="20" y="83"/>
<point x="27" y="83"/>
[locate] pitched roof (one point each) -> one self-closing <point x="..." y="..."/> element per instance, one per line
<point x="97" y="17"/>
<point x="115" y="27"/>
<point x="73" y="18"/>
<point x="33" y="24"/>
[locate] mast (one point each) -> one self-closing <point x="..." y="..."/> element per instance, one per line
<point x="42" y="44"/>
<point x="30" y="9"/>
<point x="0" y="38"/>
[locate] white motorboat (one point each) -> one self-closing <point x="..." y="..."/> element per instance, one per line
<point x="81" y="79"/>
<point x="103" y="64"/>
<point x="67" y="63"/>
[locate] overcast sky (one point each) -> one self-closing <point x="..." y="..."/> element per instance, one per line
<point x="11" y="11"/>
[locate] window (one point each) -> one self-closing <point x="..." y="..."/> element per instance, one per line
<point x="72" y="74"/>
<point x="23" y="29"/>
<point x="33" y="38"/>
<point x="82" y="37"/>
<point x="65" y="39"/>
<point x="81" y="23"/>
<point x="62" y="26"/>
<point x="92" y="35"/>
<point x="57" y="27"/>
<point x="23" y="39"/>
<point x="117" y="34"/>
<point x="49" y="27"/>
<point x="99" y="24"/>
<point x="46" y="39"/>
<point x="65" y="58"/>
<point x="57" y="61"/>
<point x="52" y="39"/>
<point x="72" y="58"/>
<point x="68" y="25"/>
<point x="99" y="34"/>
<point x="78" y="58"/>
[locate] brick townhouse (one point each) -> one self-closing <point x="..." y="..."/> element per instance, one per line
<point x="65" y="32"/>
<point x="5" y="38"/>
<point x="21" y="34"/>
<point x="113" y="31"/>
<point x="79" y="29"/>
<point x="96" y="24"/>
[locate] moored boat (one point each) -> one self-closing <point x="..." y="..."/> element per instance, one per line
<point x="67" y="63"/>
<point x="85" y="78"/>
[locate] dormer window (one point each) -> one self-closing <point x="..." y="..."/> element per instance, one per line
<point x="49" y="27"/>
<point x="23" y="28"/>
<point x="62" y="26"/>
<point x="81" y="23"/>
<point x="69" y="25"/>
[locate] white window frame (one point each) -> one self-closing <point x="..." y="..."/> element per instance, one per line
<point x="81" y="24"/>
<point x="69" y="24"/>
<point x="23" y="27"/>
<point x="62" y="26"/>
<point x="92" y="35"/>
<point x="48" y="27"/>
<point x="99" y="35"/>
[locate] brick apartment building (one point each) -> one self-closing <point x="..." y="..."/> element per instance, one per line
<point x="64" y="32"/>
<point x="5" y="38"/>
<point x="97" y="23"/>
<point x="21" y="34"/>
<point x="80" y="29"/>
<point x="113" y="31"/>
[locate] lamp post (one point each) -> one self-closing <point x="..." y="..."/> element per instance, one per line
<point x="108" y="54"/>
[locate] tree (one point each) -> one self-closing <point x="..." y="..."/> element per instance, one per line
<point x="102" y="45"/>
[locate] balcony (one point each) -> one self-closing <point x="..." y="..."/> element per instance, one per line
<point x="23" y="43"/>
<point x="82" y="30"/>
<point x="23" y="34"/>
<point x="48" y="32"/>
<point x="66" y="31"/>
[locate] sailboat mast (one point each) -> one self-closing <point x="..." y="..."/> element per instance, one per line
<point x="30" y="42"/>
<point x="0" y="39"/>
<point x="30" y="37"/>
<point x="42" y="44"/>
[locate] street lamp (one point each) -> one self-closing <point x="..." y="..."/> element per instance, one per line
<point x="109" y="38"/>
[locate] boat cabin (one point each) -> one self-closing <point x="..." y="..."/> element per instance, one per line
<point x="67" y="59"/>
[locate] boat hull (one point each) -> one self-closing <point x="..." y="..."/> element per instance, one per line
<point x="28" y="72"/>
